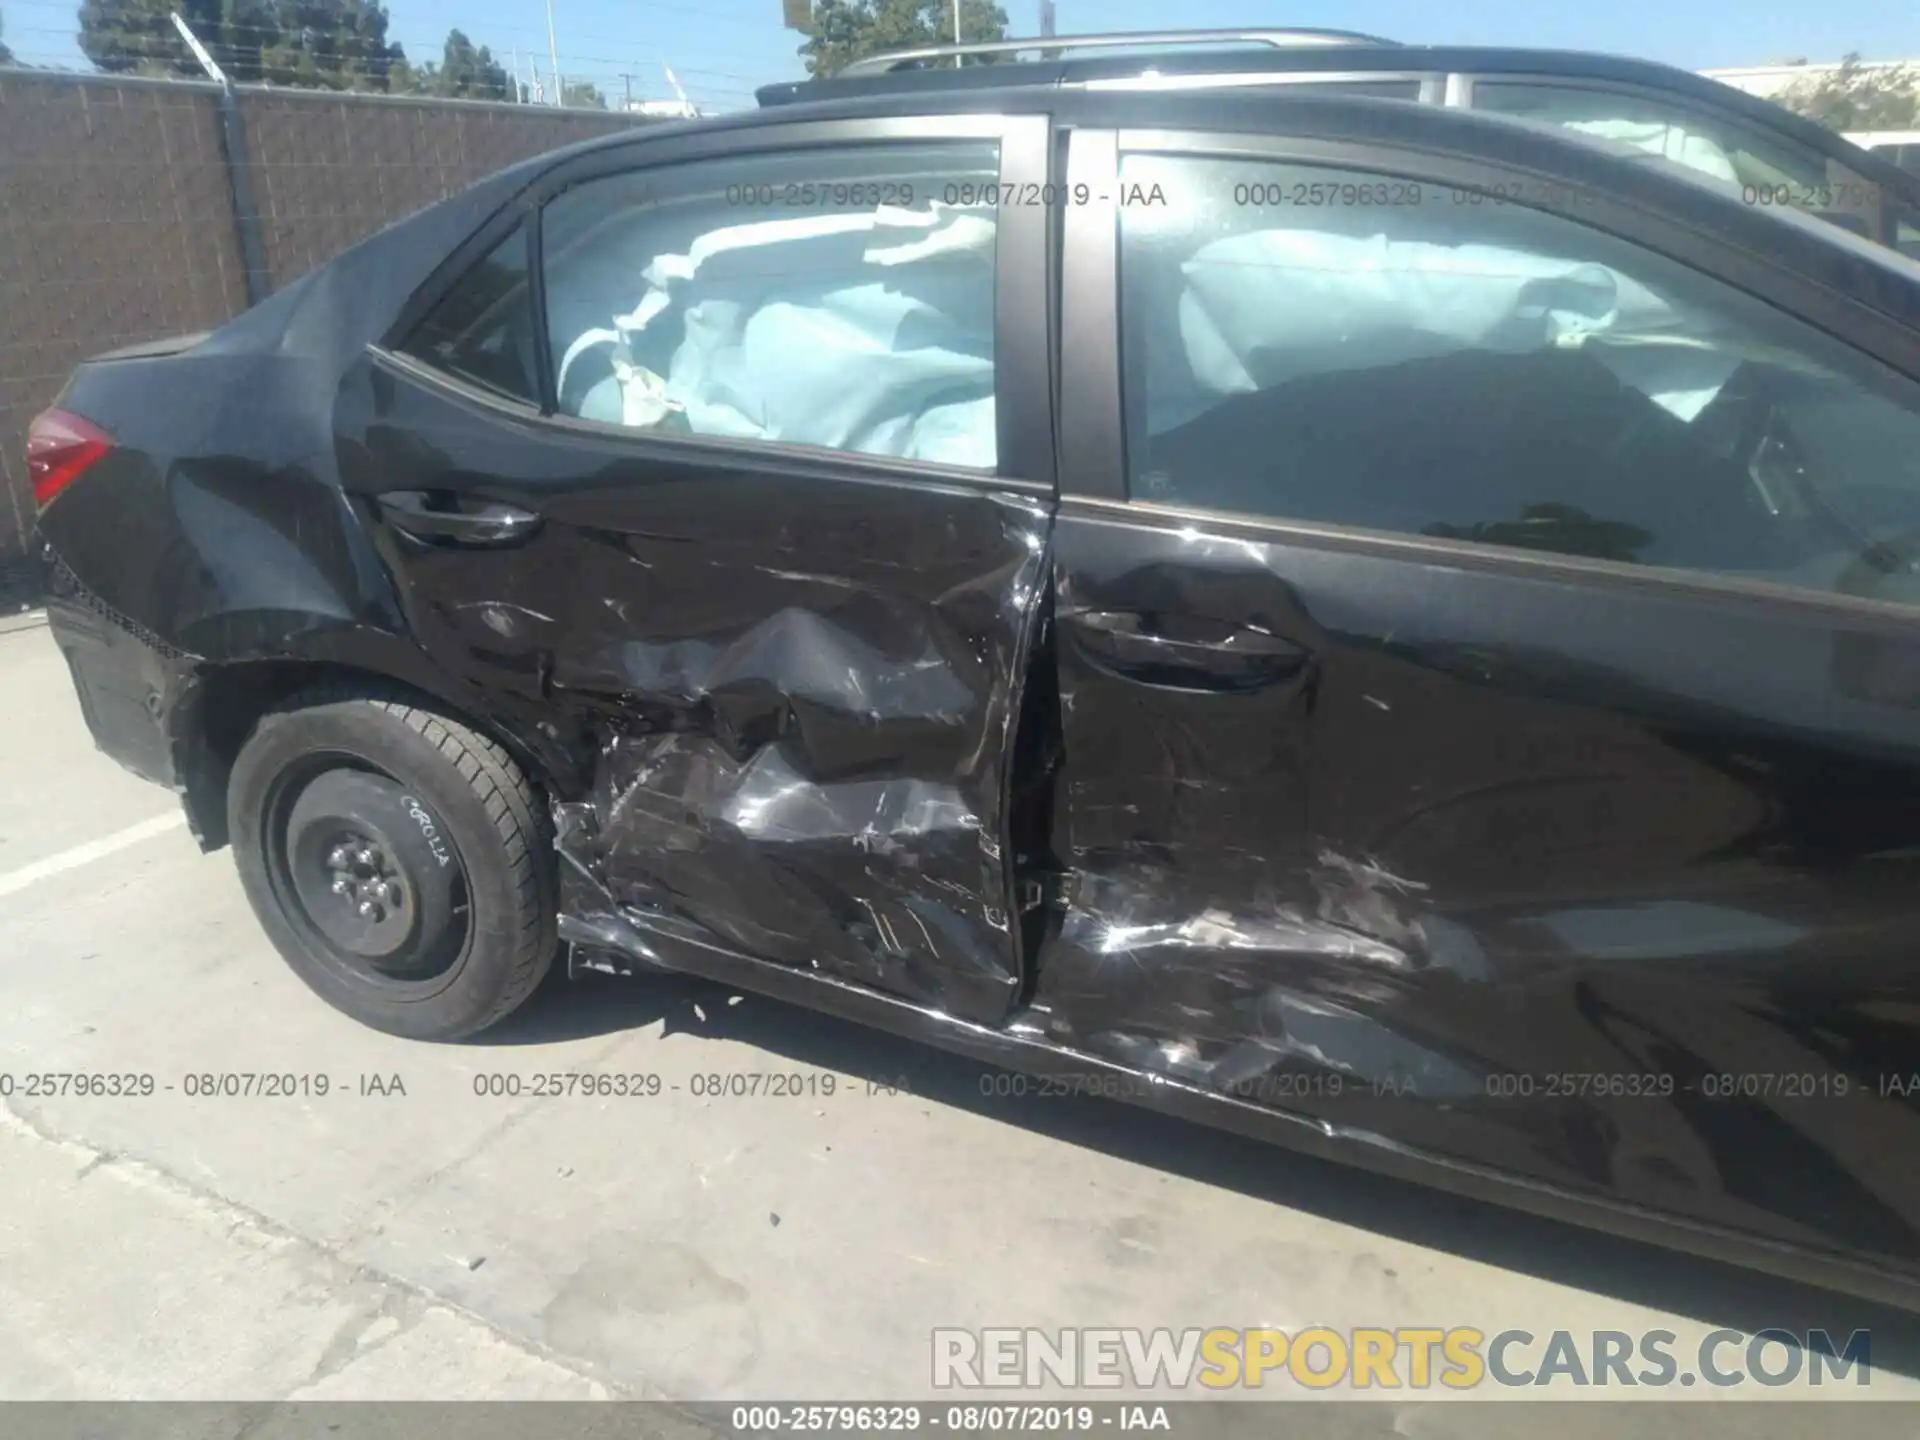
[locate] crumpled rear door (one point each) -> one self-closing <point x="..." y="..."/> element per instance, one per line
<point x="797" y="616"/>
<point x="805" y="689"/>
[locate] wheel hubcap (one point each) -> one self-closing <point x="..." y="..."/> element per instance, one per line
<point x="353" y="888"/>
<point x="363" y="880"/>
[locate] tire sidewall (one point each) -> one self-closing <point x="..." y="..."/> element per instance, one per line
<point x="371" y="735"/>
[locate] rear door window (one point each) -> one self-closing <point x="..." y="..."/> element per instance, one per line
<point x="481" y="330"/>
<point x="839" y="297"/>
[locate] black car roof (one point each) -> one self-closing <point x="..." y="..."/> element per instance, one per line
<point x="1337" y="59"/>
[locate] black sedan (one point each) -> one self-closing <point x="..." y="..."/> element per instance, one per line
<point x="1372" y="625"/>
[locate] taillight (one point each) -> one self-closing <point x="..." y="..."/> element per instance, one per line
<point x="60" y="449"/>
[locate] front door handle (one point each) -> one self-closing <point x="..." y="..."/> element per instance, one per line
<point x="1185" y="652"/>
<point x="454" y="520"/>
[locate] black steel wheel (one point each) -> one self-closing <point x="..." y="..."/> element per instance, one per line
<point x="352" y="864"/>
<point x="399" y="860"/>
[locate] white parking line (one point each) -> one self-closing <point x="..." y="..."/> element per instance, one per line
<point x="16" y="880"/>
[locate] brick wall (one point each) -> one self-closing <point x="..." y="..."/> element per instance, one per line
<point x="117" y="223"/>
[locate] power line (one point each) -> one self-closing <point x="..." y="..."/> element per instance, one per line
<point x="705" y="12"/>
<point x="413" y="34"/>
<point x="158" y="46"/>
<point x="424" y="41"/>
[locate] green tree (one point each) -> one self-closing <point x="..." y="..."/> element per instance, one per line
<point x="465" y="71"/>
<point x="846" y="30"/>
<point x="1858" y="97"/>
<point x="323" y="44"/>
<point x="6" y="55"/>
<point x="135" y="37"/>
<point x="584" y="95"/>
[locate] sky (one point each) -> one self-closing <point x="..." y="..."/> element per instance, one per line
<point x="722" y="49"/>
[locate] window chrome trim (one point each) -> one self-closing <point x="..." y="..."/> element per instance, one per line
<point x="457" y="386"/>
<point x="1480" y="555"/>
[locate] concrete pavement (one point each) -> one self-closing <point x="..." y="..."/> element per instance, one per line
<point x="412" y="1232"/>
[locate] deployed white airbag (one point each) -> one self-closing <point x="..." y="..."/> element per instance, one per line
<point x="1262" y="307"/>
<point x="1665" y="138"/>
<point x="869" y="332"/>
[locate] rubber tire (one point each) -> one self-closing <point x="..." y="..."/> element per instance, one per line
<point x="490" y="813"/>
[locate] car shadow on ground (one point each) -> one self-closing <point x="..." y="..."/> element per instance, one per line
<point x="1703" y="1290"/>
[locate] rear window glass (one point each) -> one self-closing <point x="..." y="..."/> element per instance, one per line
<point x="482" y="329"/>
<point x="839" y="297"/>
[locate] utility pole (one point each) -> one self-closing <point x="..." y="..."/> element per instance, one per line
<point x="956" y="31"/>
<point x="553" y="54"/>
<point x="627" y="80"/>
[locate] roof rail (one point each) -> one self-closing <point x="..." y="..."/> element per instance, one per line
<point x="1279" y="39"/>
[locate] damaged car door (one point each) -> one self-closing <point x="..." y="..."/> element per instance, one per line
<point x="1568" y="591"/>
<point x="768" y="542"/>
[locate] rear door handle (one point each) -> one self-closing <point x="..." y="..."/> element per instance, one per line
<point x="1187" y="653"/>
<point x="425" y="516"/>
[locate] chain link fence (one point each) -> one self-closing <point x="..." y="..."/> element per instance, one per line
<point x="118" y="218"/>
